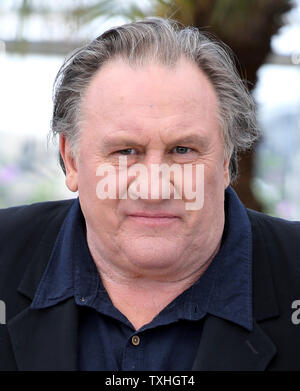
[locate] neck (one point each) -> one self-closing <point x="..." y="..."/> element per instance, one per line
<point x="140" y="296"/>
<point x="140" y="303"/>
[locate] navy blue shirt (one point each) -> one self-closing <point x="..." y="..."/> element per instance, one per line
<point x="106" y="338"/>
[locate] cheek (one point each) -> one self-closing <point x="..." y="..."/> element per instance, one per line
<point x="87" y="186"/>
<point x="205" y="178"/>
<point x="100" y="213"/>
<point x="214" y="173"/>
<point x="87" y="177"/>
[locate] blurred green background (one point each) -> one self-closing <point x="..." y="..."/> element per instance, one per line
<point x="35" y="35"/>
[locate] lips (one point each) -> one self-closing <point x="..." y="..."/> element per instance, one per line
<point x="153" y="219"/>
<point x="153" y="215"/>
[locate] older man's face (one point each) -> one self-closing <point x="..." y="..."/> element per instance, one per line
<point x="151" y="114"/>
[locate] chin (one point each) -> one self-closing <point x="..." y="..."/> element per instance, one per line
<point x="148" y="254"/>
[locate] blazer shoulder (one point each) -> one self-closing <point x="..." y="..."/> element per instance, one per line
<point x="27" y="237"/>
<point x="23" y="228"/>
<point x="17" y="218"/>
<point x="273" y="225"/>
<point x="280" y="239"/>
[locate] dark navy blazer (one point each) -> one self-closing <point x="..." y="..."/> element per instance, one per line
<point x="47" y="338"/>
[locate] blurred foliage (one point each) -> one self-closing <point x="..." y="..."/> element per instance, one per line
<point x="246" y="26"/>
<point x="106" y="8"/>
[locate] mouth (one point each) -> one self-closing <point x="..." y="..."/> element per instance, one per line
<point x="153" y="219"/>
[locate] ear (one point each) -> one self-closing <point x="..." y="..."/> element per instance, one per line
<point x="226" y="172"/>
<point x="70" y="164"/>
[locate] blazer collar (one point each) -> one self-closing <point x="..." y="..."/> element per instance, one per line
<point x="44" y="339"/>
<point x="265" y="305"/>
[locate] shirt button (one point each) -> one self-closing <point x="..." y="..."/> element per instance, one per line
<point x="135" y="340"/>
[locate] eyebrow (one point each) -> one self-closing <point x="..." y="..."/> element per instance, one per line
<point x="119" y="141"/>
<point x="191" y="139"/>
<point x="116" y="141"/>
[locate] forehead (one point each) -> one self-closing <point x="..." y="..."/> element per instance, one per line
<point x="123" y="97"/>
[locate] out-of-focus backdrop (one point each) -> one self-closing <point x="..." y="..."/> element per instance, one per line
<point x="36" y="35"/>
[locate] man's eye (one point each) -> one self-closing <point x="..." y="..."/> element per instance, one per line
<point x="127" y="151"/>
<point x="182" y="150"/>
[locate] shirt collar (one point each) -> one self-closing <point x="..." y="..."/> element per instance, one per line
<point x="57" y="283"/>
<point x="224" y="290"/>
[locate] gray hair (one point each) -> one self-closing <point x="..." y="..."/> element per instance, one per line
<point x="164" y="41"/>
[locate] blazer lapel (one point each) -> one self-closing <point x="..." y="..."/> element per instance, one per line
<point x="45" y="339"/>
<point x="225" y="346"/>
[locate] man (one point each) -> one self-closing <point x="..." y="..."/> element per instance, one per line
<point x="124" y="277"/>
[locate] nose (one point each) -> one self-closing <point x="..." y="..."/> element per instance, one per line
<point x="153" y="180"/>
